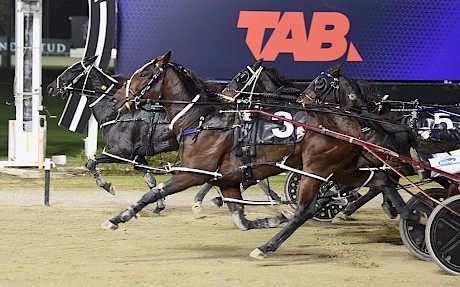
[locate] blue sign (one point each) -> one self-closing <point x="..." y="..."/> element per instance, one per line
<point x="414" y="40"/>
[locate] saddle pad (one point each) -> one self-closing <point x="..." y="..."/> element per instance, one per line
<point x="274" y="131"/>
<point x="448" y="162"/>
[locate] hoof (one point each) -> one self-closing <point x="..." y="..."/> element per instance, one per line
<point x="340" y="217"/>
<point x="157" y="211"/>
<point x="109" y="225"/>
<point x="196" y="209"/>
<point x="258" y="254"/>
<point x="218" y="201"/>
<point x="288" y="214"/>
<point x="390" y="210"/>
<point x="109" y="188"/>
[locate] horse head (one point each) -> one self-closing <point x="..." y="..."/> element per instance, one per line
<point x="258" y="79"/>
<point x="146" y="79"/>
<point x="70" y="77"/>
<point x="333" y="87"/>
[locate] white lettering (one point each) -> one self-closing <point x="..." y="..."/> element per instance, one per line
<point x="288" y="127"/>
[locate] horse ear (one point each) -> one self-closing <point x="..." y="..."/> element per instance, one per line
<point x="335" y="70"/>
<point x="162" y="61"/>
<point x="257" y="64"/>
<point x="89" y="60"/>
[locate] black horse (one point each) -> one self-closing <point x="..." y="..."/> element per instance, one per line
<point x="210" y="133"/>
<point x="128" y="138"/>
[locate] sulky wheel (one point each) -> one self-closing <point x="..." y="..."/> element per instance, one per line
<point x="291" y="188"/>
<point x="413" y="233"/>
<point x="329" y="211"/>
<point x="443" y="235"/>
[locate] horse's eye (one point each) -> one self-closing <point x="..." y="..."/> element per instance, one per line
<point x="143" y="74"/>
<point x="319" y="84"/>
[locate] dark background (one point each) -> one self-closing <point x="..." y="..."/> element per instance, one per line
<point x="56" y="15"/>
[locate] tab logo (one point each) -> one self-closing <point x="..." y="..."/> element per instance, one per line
<point x="326" y="40"/>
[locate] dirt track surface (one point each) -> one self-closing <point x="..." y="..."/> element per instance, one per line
<point x="63" y="245"/>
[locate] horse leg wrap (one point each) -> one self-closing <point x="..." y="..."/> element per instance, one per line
<point x="269" y="222"/>
<point x="150" y="179"/>
<point x="91" y="166"/>
<point x="239" y="220"/>
<point x="127" y="214"/>
<point x="151" y="196"/>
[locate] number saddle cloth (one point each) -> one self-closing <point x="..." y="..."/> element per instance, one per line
<point x="263" y="130"/>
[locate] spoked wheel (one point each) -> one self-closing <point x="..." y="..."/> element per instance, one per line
<point x="329" y="189"/>
<point x="413" y="233"/>
<point x="291" y="188"/>
<point x="443" y="235"/>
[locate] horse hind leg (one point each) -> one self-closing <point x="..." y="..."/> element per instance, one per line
<point x="91" y="166"/>
<point x="149" y="197"/>
<point x="239" y="218"/>
<point x="152" y="182"/>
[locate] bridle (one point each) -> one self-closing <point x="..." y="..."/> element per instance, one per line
<point x="157" y="71"/>
<point x="62" y="86"/>
<point x="85" y="75"/>
<point x="322" y="86"/>
<point x="250" y="81"/>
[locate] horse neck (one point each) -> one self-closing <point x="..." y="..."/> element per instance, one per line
<point x="174" y="89"/>
<point x="104" y="107"/>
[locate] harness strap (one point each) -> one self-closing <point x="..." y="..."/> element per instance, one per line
<point x="283" y="166"/>
<point x="215" y="174"/>
<point x="102" y="96"/>
<point x="181" y="113"/>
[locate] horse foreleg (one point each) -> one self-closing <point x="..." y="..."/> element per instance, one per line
<point x="306" y="209"/>
<point x="151" y="196"/>
<point x="91" y="166"/>
<point x="384" y="183"/>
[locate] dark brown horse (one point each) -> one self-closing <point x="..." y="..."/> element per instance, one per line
<point x="206" y="127"/>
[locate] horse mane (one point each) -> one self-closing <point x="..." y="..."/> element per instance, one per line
<point x="279" y="79"/>
<point x="400" y="137"/>
<point x="368" y="90"/>
<point x="209" y="102"/>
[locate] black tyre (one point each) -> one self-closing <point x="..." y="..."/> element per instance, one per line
<point x="413" y="233"/>
<point x="443" y="235"/>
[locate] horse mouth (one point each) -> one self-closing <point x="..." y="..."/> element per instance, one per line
<point x="121" y="106"/>
<point x="52" y="92"/>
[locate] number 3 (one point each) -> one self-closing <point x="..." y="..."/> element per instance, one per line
<point x="289" y="128"/>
